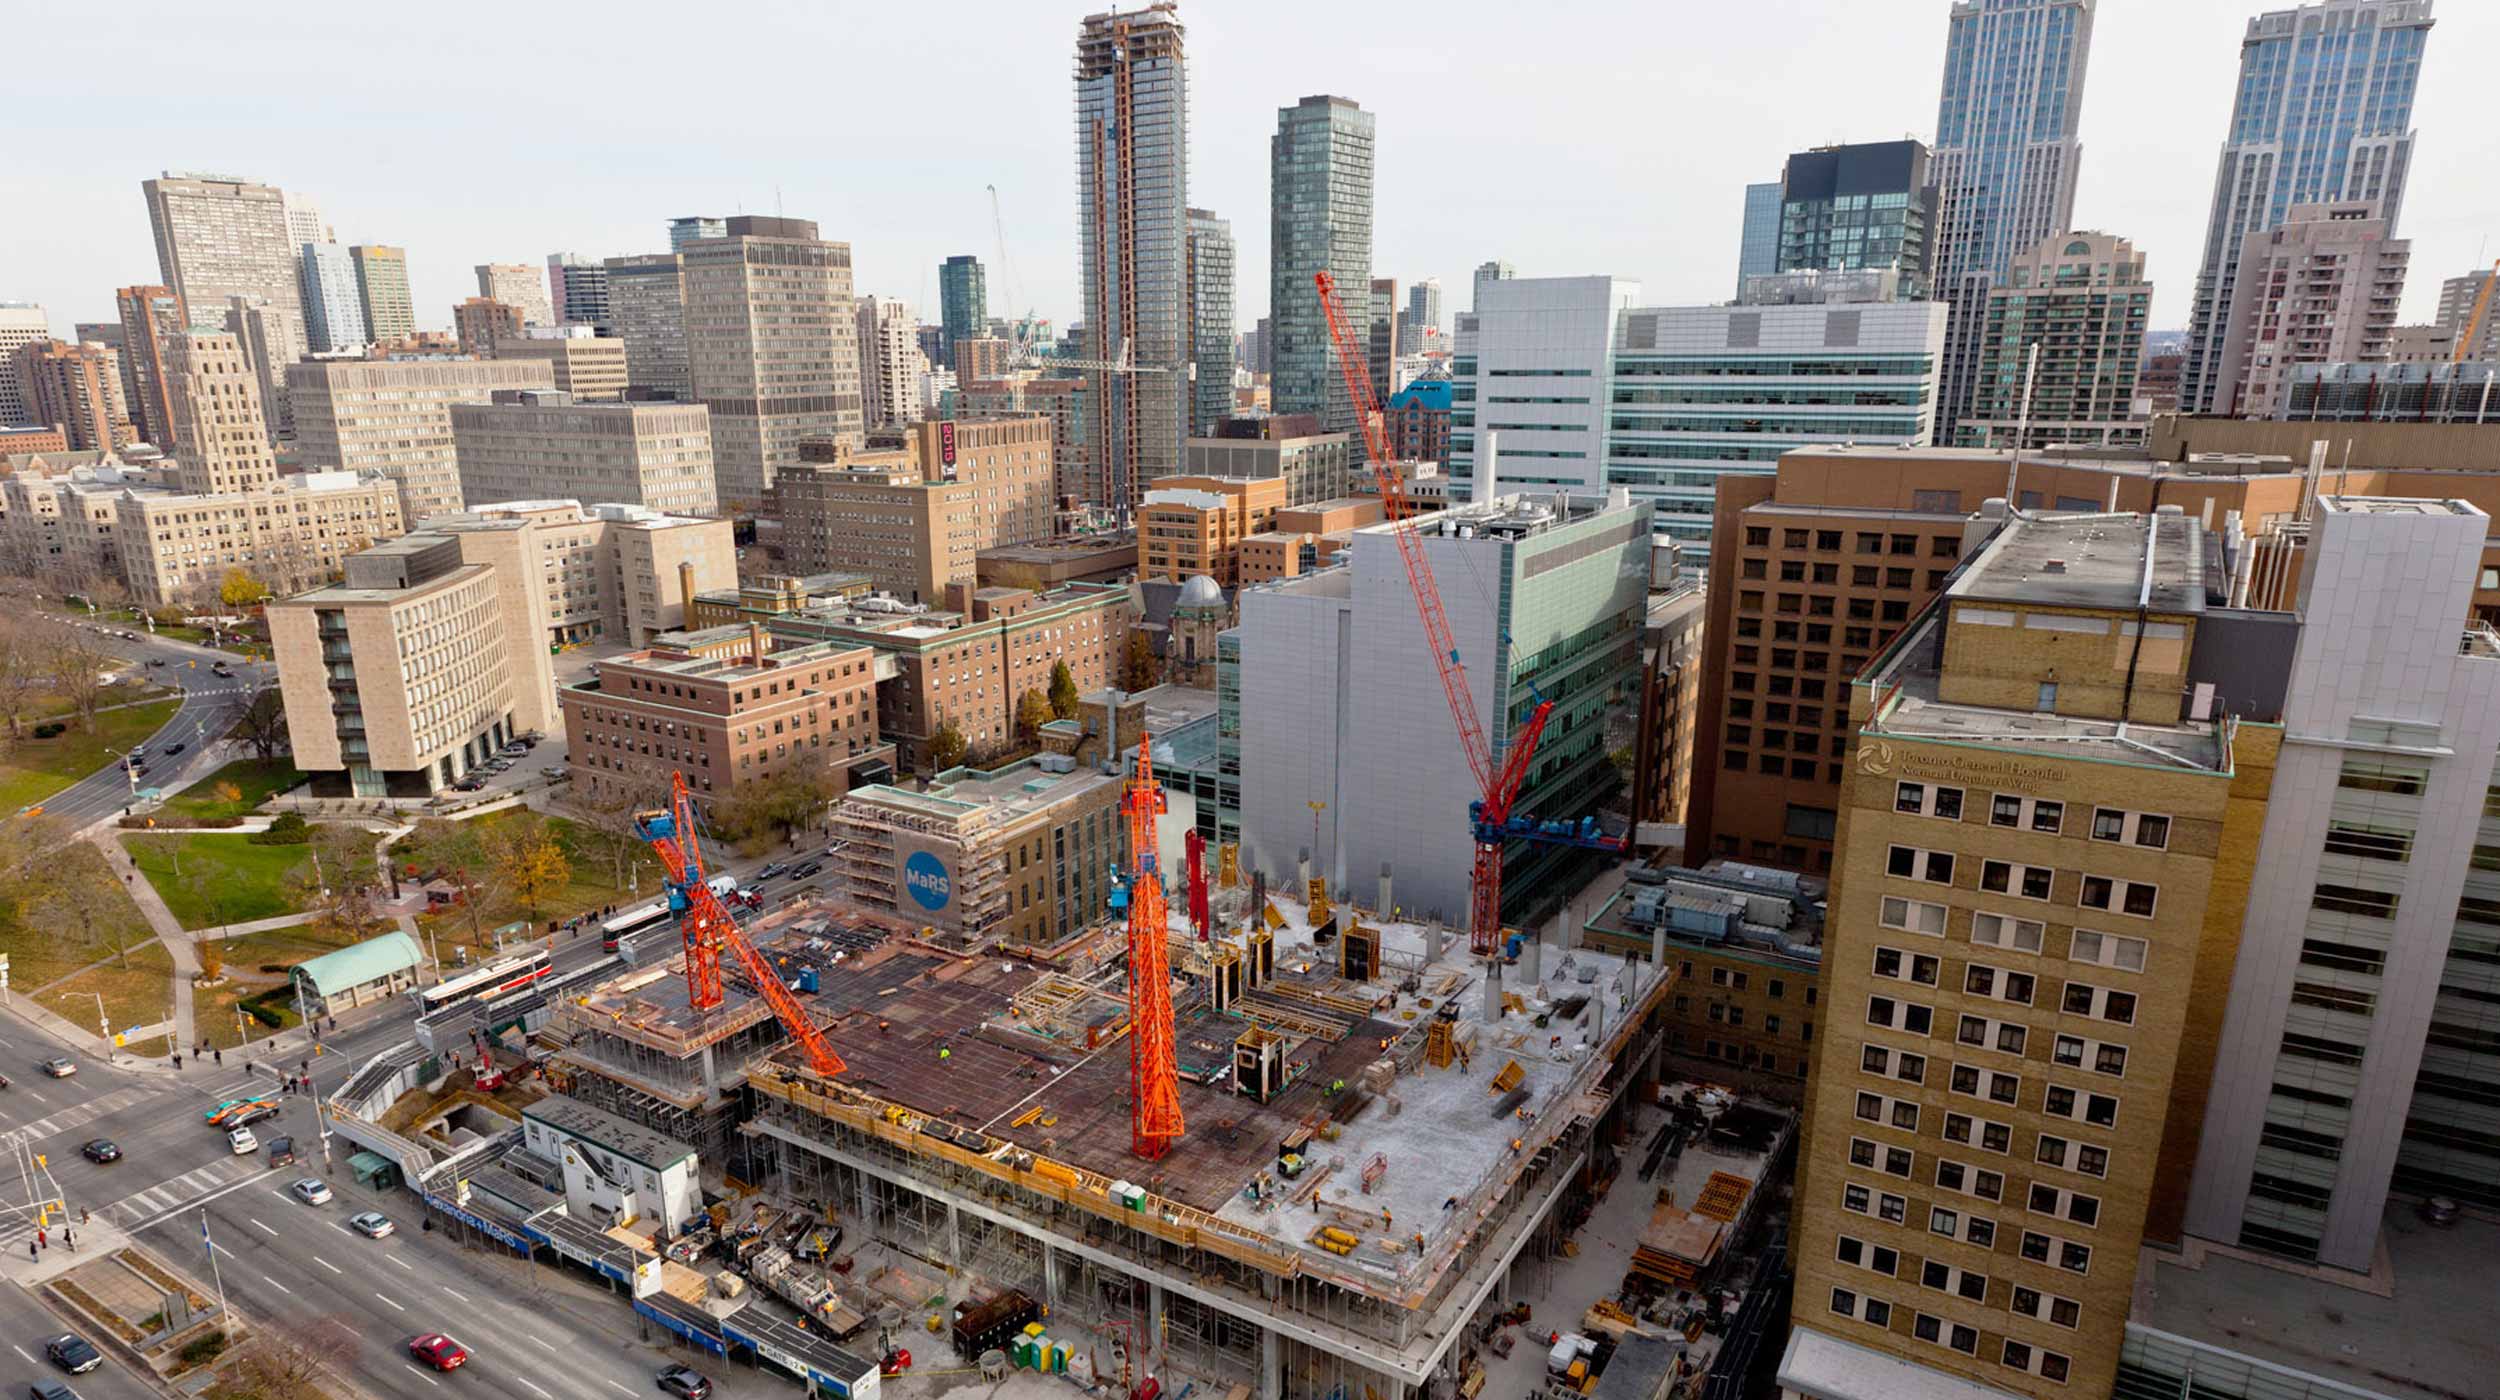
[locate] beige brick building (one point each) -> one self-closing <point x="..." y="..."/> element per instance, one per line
<point x="619" y="573"/>
<point x="916" y="519"/>
<point x="219" y="437"/>
<point x="1303" y="538"/>
<point x="771" y="346"/>
<point x="482" y="323"/>
<point x="394" y="417"/>
<point x="74" y="387"/>
<point x="589" y="367"/>
<point x="177" y="547"/>
<point x="530" y="444"/>
<point x="1192" y="525"/>
<point x="1020" y="855"/>
<point x="723" y="720"/>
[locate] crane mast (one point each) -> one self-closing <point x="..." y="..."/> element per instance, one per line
<point x="1154" y="1076"/>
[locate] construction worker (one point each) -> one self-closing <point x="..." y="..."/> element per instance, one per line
<point x="1385" y="1221"/>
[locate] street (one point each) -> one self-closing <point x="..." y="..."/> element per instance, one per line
<point x="210" y="705"/>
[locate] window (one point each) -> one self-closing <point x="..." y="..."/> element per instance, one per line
<point x="1979" y="1133"/>
<point x="2393" y="776"/>
<point x="1913" y="916"/>
<point x="1873" y="1257"/>
<point x="1897" y="1113"/>
<point x="1857" y="1199"/>
<point x="2064" y="1204"/>
<point x="2099" y="1110"/>
<point x="1912" y="863"/>
<point x="2351" y="899"/>
<point x="1903" y="1065"/>
<point x="2132" y="897"/>
<point x="2368" y="840"/>
<point x="1899" y="966"/>
<point x="1871" y="1310"/>
<point x="1899" y="1015"/>
<point x="2133" y="828"/>
<point x="2001" y="931"/>
<point x="1961" y="1283"/>
<point x="1970" y="1180"/>
<point x="2022" y="1356"/>
<point x="2101" y="1003"/>
<point x="1996" y="1086"/>
<point x="1891" y="1161"/>
<point x="1982" y="980"/>
<point x="2080" y="1157"/>
<point x="2026" y="813"/>
<point x="1947" y="1334"/>
<point x="2047" y="1307"/>
<point x="2024" y="881"/>
<point x="2065" y="1254"/>
<point x="1982" y="1033"/>
<point x="1956" y="1225"/>
<point x="1925" y="800"/>
<point x="2108" y="950"/>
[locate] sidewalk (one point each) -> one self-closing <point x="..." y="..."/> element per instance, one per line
<point x="169" y="931"/>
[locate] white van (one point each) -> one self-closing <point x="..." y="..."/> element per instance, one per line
<point x="242" y="1141"/>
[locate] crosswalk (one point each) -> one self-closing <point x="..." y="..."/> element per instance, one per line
<point x="78" y="1115"/>
<point x="141" y="1207"/>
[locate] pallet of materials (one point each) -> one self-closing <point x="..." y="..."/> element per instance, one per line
<point x="1678" y="1245"/>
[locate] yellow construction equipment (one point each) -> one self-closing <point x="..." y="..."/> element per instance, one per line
<point x="1510" y="1077"/>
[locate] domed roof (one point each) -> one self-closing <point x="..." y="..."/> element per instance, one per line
<point x="1201" y="592"/>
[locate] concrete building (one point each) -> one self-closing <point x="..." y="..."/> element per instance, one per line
<point x="1132" y="180"/>
<point x="1019" y="855"/>
<point x="406" y="675"/>
<point x="981" y="358"/>
<point x="74" y="387"/>
<point x="482" y="323"/>
<point x="1532" y="360"/>
<point x="1746" y="945"/>
<point x="148" y="315"/>
<point x="1314" y="466"/>
<point x="765" y="596"/>
<point x="2361" y="59"/>
<point x="1319" y="220"/>
<point x="526" y="444"/>
<point x="1417" y="419"/>
<point x="1487" y="272"/>
<point x="22" y="323"/>
<point x="963" y="303"/>
<point x="2435" y="390"/>
<point x="2320" y="288"/>
<point x="2432" y="344"/>
<point x="334" y="312"/>
<point x="2458" y="297"/>
<point x="1702" y="393"/>
<point x="2008" y="149"/>
<point x="582" y="573"/>
<point x="2081" y="300"/>
<point x="1758" y="236"/>
<point x="1193" y="525"/>
<point x="915" y="519"/>
<point x="1337" y="700"/>
<point x="722" y="721"/>
<point x="1672" y="647"/>
<point x="220" y="441"/>
<point x="382" y="290"/>
<point x="394" y="417"/>
<point x="1423" y="305"/>
<point x="592" y="368"/>
<point x="890" y="362"/>
<point x="519" y="286"/>
<point x="1045" y="567"/>
<point x="647" y="308"/>
<point x="1211" y="320"/>
<point x="770" y="346"/>
<point x="577" y="291"/>
<point x="220" y="237"/>
<point x="257" y="323"/>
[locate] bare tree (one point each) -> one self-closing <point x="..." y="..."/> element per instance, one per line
<point x="79" y="897"/>
<point x="291" y="1362"/>
<point x="77" y="669"/>
<point x="608" y="819"/>
<point x="25" y="666"/>
<point x="263" y="725"/>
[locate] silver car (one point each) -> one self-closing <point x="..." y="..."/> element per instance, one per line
<point x="372" y="1224"/>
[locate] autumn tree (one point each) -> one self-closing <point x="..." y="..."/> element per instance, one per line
<point x="263" y="725"/>
<point x="1063" y="697"/>
<point x="1141" y="669"/>
<point x="946" y="747"/>
<point x="607" y="820"/>
<point x="212" y="955"/>
<point x="528" y="860"/>
<point x="240" y="589"/>
<point x="1032" y="712"/>
<point x="453" y="851"/>
<point x="780" y="803"/>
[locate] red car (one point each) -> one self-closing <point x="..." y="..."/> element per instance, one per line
<point x="438" y="1351"/>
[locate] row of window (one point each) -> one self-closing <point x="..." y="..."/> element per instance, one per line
<point x="2012" y="810"/>
<point x="2135" y="898"/>
<point x="1865" y="541"/>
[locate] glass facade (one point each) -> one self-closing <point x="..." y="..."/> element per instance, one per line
<point x="1859" y="208"/>
<point x="1759" y="255"/>
<point x="963" y="303"/>
<point x="1211" y="321"/>
<point x="1320" y="220"/>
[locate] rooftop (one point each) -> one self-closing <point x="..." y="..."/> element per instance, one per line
<point x="1019" y="788"/>
<point x="2120" y="562"/>
<point x="601" y="1128"/>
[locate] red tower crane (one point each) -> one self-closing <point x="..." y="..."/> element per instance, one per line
<point x="708" y="928"/>
<point x="1498" y="776"/>
<point x="1153" y="1072"/>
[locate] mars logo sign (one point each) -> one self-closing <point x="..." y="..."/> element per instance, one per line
<point x="925" y="876"/>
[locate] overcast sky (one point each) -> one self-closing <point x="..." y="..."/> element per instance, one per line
<point x="1567" y="136"/>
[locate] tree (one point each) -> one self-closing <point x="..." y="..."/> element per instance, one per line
<point x="240" y="589"/>
<point x="1032" y="712"/>
<point x="528" y="861"/>
<point x="211" y="889"/>
<point x="606" y="829"/>
<point x="452" y="850"/>
<point x="294" y="1361"/>
<point x="212" y="955"/>
<point x="946" y="747"/>
<point x="1063" y="697"/>
<point x="77" y="668"/>
<point x="335" y="882"/>
<point x="82" y="896"/>
<point x="780" y="803"/>
<point x="263" y="725"/>
<point x="1142" y="669"/>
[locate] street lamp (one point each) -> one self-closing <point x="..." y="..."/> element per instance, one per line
<point x="103" y="1026"/>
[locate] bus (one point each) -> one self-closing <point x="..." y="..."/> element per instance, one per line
<point x="501" y="977"/>
<point x="653" y="914"/>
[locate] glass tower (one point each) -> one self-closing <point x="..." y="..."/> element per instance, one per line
<point x="2323" y="114"/>
<point x="963" y="303"/>
<point x="1320" y="220"/>
<point x="1859" y="208"/>
<point x="334" y="315"/>
<point x="1211" y="321"/>
<point x="1760" y="253"/>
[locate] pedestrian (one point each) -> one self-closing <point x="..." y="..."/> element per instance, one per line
<point x="70" y="1238"/>
<point x="43" y="1238"/>
<point x="30" y="1249"/>
<point x="82" y="1215"/>
<point x="177" y="1059"/>
<point x="220" y="1052"/>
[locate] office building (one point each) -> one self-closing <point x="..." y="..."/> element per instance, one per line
<point x="647" y="308"/>
<point x="577" y="290"/>
<point x="74" y="387"/>
<point x="382" y="290"/>
<point x="692" y="228"/>
<point x="405" y="676"/>
<point x="260" y="326"/>
<point x="482" y="322"/>
<point x="394" y="417"/>
<point x="1423" y="306"/>
<point x="890" y="364"/>
<point x="983" y="832"/>
<point x="1193" y="525"/>
<point x="1531" y="361"/>
<point x="334" y="313"/>
<point x="915" y="519"/>
<point x="2358" y="60"/>
<point x="530" y="444"/>
<point x="220" y="441"/>
<point x="2320" y="288"/>
<point x="1258" y="347"/>
<point x="1381" y="338"/>
<point x="1211" y="320"/>
<point x="149" y="315"/>
<point x="645" y="717"/>
<point x="1746" y="944"/>
<point x="177" y="545"/>
<point x="770" y="346"/>
<point x="2458" y="298"/>
<point x="1758" y="238"/>
<point x="22" y="323"/>
<point x="1860" y="208"/>
<point x="590" y="367"/>
<point x="1319" y="220"/>
<point x="1417" y="420"/>
<point x="1132" y="180"/>
<point x="304" y="223"/>
<point x="219" y="237"/>
<point x="1301" y="539"/>
<point x="1314" y="466"/>
<point x="2079" y="301"/>
<point x="567" y="572"/>
<point x="982" y="358"/>
<point x="1487" y="272"/>
<point x="2007" y="151"/>
<point x="963" y="303"/>
<point x="519" y="286"/>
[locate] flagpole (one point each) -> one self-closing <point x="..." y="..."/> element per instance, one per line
<point x="225" y="1318"/>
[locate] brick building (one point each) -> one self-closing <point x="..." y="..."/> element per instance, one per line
<point x="915" y="519"/>
<point x="1192" y="525"/>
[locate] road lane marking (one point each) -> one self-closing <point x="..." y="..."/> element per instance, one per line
<point x="163" y="1216"/>
<point x="38" y="1098"/>
<point x="275" y="1284"/>
<point x="399" y="1261"/>
<point x="221" y="1249"/>
<point x="387" y="1298"/>
<point x="532" y="1385"/>
<point x="31" y="1361"/>
<point x="260" y="1227"/>
<point x="540" y="1340"/>
<point x="624" y="1387"/>
<point x="333" y="1268"/>
<point x="456" y="1293"/>
<point x="429" y="1380"/>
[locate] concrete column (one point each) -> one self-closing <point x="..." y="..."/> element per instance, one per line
<point x="1153" y="1341"/>
<point x="1050" y="1276"/>
<point x="867" y="1218"/>
<point x="711" y="1084"/>
<point x="1492" y="990"/>
<point x="954" y="1236"/>
<point x="1531" y="958"/>
<point x="1271" y="1366"/>
<point x="1387" y="910"/>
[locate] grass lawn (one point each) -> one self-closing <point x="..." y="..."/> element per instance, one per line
<point x="41" y="951"/>
<point x="250" y="881"/>
<point x="143" y="992"/>
<point x="213" y="1011"/>
<point x="257" y="781"/>
<point x="249" y="953"/>
<point x="590" y="888"/>
<point x="34" y="769"/>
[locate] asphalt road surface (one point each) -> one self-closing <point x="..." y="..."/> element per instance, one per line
<point x="210" y="705"/>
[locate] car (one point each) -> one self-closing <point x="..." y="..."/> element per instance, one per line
<point x="101" y="1150"/>
<point x="60" y="1067"/>
<point x="809" y="871"/>
<point x="768" y="872"/>
<point x="241" y="1141"/>
<point x="51" y="1390"/>
<point x="172" y="749"/>
<point x="438" y="1351"/>
<point x="685" y="1382"/>
<point x="281" y="1152"/>
<point x="71" y="1353"/>
<point x="312" y="1191"/>
<point x="156" y="661"/>
<point x="372" y="1224"/>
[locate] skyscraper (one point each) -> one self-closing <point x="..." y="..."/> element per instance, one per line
<point x="304" y="223"/>
<point x="1859" y="208"/>
<point x="1493" y="271"/>
<point x="73" y="386"/>
<point x="1759" y="253"/>
<point x="2007" y="149"/>
<point x="219" y="437"/>
<point x="963" y="303"/>
<point x="686" y="230"/>
<point x="1132" y="182"/>
<point x="22" y="323"/>
<point x="647" y="304"/>
<point x="2320" y="288"/>
<point x="1381" y="338"/>
<point x="771" y="346"/>
<point x="218" y="237"/>
<point x="2082" y="300"/>
<point x="149" y="315"/>
<point x="260" y="326"/>
<point x="481" y="321"/>
<point x="577" y="287"/>
<point x="518" y="286"/>
<point x="2458" y="296"/>
<point x="382" y="290"/>
<point x="890" y="362"/>
<point x="2323" y="114"/>
<point x="1423" y="306"/>
<point x="334" y="313"/>
<point x="1211" y="320"/>
<point x="1319" y="220"/>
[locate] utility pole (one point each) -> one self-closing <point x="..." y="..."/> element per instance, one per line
<point x="103" y="1026"/>
<point x="225" y="1318"/>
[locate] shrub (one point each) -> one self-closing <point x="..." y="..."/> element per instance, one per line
<point x="48" y="730"/>
<point x="290" y="829"/>
<point x="203" y="1348"/>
